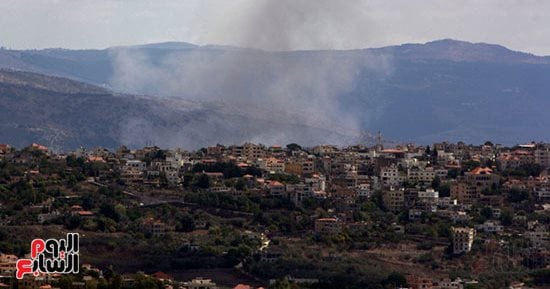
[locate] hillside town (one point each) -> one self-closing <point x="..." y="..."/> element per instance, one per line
<point x="446" y="215"/>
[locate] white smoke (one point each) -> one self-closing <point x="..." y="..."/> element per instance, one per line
<point x="280" y="87"/>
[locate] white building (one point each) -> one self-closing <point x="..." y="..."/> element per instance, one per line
<point x="391" y="176"/>
<point x="489" y="227"/>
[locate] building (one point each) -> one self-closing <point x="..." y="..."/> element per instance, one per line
<point x="418" y="282"/>
<point x="391" y="176"/>
<point x="482" y="178"/>
<point x="253" y="151"/>
<point x="154" y="227"/>
<point x="489" y="227"/>
<point x="462" y="239"/>
<point x="465" y="193"/>
<point x="394" y="200"/>
<point x="7" y="264"/>
<point x="421" y="175"/>
<point x="538" y="236"/>
<point x="276" y="189"/>
<point x="200" y="283"/>
<point x="450" y="284"/>
<point x="542" y="155"/>
<point x="328" y="226"/>
<point x="428" y="199"/>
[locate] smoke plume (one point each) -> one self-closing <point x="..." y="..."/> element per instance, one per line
<point x="275" y="93"/>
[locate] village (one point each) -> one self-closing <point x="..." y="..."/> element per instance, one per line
<point x="447" y="215"/>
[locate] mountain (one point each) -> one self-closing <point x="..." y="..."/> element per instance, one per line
<point x="440" y="90"/>
<point x="66" y="114"/>
<point x="462" y="51"/>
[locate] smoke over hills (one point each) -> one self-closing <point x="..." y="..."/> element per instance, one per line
<point x="300" y="88"/>
<point x="203" y="95"/>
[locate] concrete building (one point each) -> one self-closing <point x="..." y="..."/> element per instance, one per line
<point x="394" y="199"/>
<point x="328" y="226"/>
<point x="462" y="239"/>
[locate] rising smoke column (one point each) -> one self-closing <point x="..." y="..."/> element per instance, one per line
<point x="268" y="81"/>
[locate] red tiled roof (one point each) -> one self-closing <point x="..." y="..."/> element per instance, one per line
<point x="275" y="184"/>
<point x="85" y="213"/>
<point x="162" y="276"/>
<point x="96" y="159"/>
<point x="392" y="151"/>
<point x="481" y="171"/>
<point x="39" y="147"/>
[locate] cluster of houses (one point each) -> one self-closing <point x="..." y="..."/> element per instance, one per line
<point x="413" y="179"/>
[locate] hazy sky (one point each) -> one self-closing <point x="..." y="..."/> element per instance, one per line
<point x="312" y="24"/>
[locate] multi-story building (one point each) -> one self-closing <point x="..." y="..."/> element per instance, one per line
<point x="483" y="178"/>
<point x="328" y="226"/>
<point x="421" y="175"/>
<point x="462" y="239"/>
<point x="394" y="199"/>
<point x="428" y="199"/>
<point x="391" y="176"/>
<point x="542" y="155"/>
<point x="253" y="151"/>
<point x="465" y="193"/>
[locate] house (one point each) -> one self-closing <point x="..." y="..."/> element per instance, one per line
<point x="428" y="199"/>
<point x="363" y="190"/>
<point x="419" y="282"/>
<point x="39" y="147"/>
<point x="7" y="264"/>
<point x="328" y="226"/>
<point x="421" y="175"/>
<point x="199" y="283"/>
<point x="154" y="227"/>
<point x="538" y="235"/>
<point x="459" y="216"/>
<point x="85" y="214"/>
<point x="44" y="217"/>
<point x="276" y="188"/>
<point x="449" y="284"/>
<point x="162" y="276"/>
<point x="268" y="256"/>
<point x="482" y="177"/>
<point x="4" y="149"/>
<point x="489" y="227"/>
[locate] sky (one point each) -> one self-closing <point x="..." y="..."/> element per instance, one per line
<point x="309" y="24"/>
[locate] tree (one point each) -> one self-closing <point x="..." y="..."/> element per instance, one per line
<point x="293" y="147"/>
<point x="517" y="196"/>
<point x="507" y="216"/>
<point x="240" y="185"/>
<point x="436" y="183"/>
<point x="486" y="212"/>
<point x="396" y="279"/>
<point x="203" y="182"/>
